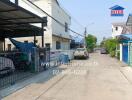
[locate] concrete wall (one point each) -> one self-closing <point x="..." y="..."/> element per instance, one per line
<point x="63" y="17"/>
<point x="46" y="6"/>
<point x="64" y="43"/>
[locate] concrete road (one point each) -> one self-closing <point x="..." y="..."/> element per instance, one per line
<point x="98" y="78"/>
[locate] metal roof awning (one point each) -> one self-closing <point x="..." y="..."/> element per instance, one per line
<point x="129" y="20"/>
<point x="125" y="37"/>
<point x="20" y="31"/>
<point x="15" y="21"/>
<point x="11" y="13"/>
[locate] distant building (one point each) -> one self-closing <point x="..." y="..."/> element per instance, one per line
<point x="120" y="28"/>
<point x="56" y="36"/>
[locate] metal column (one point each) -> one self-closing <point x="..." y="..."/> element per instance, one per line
<point x="16" y="2"/>
<point x="4" y="44"/>
<point x="34" y="39"/>
<point x="42" y="34"/>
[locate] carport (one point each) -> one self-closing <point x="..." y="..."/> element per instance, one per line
<point x="15" y="21"/>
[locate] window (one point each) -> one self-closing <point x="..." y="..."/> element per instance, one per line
<point x="116" y="28"/>
<point x="58" y="45"/>
<point x="66" y="27"/>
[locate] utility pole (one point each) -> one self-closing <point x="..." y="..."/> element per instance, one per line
<point x="85" y="34"/>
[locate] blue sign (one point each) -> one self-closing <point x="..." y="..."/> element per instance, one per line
<point x="117" y="11"/>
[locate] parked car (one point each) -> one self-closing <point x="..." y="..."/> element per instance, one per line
<point x="81" y="53"/>
<point x="6" y="66"/>
<point x="103" y="51"/>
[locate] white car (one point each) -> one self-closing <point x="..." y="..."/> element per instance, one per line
<point x="81" y="53"/>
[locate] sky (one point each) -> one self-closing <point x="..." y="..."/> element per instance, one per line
<point x="95" y="15"/>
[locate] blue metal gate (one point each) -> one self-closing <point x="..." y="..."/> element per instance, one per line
<point x="125" y="53"/>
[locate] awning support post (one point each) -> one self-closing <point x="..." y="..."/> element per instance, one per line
<point x="4" y="44"/>
<point x="34" y="39"/>
<point x="42" y="34"/>
<point x="16" y="2"/>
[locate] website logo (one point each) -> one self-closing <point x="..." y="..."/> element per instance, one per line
<point x="117" y="10"/>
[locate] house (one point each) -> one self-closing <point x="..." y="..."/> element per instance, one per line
<point x="57" y="35"/>
<point x="126" y="42"/>
<point x="126" y="48"/>
<point x="120" y="28"/>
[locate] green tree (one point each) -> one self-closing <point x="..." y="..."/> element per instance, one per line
<point x="110" y="45"/>
<point x="91" y="41"/>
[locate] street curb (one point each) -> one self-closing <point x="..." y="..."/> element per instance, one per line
<point x="21" y="84"/>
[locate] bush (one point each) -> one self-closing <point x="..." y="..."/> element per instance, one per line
<point x="118" y="55"/>
<point x="110" y="45"/>
<point x="112" y="53"/>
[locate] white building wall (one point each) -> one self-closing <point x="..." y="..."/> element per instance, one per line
<point x="53" y="9"/>
<point x="59" y="30"/>
<point x="46" y="6"/>
<point x="116" y="32"/>
<point x="63" y="17"/>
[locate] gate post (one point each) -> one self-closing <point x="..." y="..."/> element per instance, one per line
<point x="120" y="52"/>
<point x="130" y="53"/>
<point x="35" y="60"/>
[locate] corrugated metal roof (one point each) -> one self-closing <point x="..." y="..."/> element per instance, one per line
<point x="15" y="21"/>
<point x="11" y="13"/>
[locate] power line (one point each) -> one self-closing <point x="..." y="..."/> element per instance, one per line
<point x="54" y="18"/>
<point x="73" y="18"/>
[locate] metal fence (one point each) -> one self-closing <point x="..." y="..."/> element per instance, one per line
<point x="15" y="66"/>
<point x="44" y="59"/>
